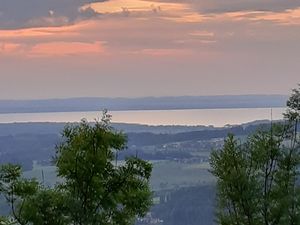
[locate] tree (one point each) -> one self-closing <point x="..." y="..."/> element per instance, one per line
<point x="16" y="190"/>
<point x="257" y="181"/>
<point x="99" y="191"/>
<point x="95" y="190"/>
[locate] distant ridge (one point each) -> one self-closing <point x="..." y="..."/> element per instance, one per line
<point x="147" y="103"/>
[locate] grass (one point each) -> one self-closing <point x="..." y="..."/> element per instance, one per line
<point x="170" y="175"/>
<point x="165" y="175"/>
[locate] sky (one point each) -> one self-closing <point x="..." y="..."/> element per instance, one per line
<point x="137" y="48"/>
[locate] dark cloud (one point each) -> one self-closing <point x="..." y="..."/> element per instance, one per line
<point x="29" y="13"/>
<point x="35" y="13"/>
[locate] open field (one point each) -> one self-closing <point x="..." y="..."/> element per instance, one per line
<point x="166" y="174"/>
<point x="171" y="175"/>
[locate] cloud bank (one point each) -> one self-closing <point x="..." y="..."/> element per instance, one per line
<point x="40" y="13"/>
<point x="67" y="48"/>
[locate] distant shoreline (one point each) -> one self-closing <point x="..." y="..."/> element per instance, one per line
<point x="142" y="104"/>
<point x="128" y="110"/>
<point x="56" y="127"/>
<point x="203" y="117"/>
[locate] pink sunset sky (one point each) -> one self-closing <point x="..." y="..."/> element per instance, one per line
<point x="135" y="48"/>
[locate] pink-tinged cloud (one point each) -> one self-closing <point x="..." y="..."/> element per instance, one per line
<point x="202" y="33"/>
<point x="162" y="52"/>
<point x="287" y="17"/>
<point x="66" y="49"/>
<point x="40" y="33"/>
<point x="173" y="11"/>
<point x="156" y="48"/>
<point x="11" y="49"/>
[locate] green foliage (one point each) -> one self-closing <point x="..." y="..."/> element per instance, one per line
<point x="99" y="191"/>
<point x="257" y="181"/>
<point x="46" y="207"/>
<point x="16" y="190"/>
<point x="293" y="104"/>
<point x="95" y="190"/>
<point x="6" y="221"/>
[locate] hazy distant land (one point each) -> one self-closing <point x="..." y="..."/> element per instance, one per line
<point x="148" y="103"/>
<point x="181" y="181"/>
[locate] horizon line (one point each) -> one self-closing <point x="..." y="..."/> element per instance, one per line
<point x="141" y="97"/>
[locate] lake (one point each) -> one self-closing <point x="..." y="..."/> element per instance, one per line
<point x="215" y="117"/>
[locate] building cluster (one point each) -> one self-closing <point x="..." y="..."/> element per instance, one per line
<point x="149" y="220"/>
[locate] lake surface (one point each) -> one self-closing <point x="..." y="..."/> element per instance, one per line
<point x="215" y="117"/>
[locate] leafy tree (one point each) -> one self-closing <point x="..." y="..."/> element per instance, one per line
<point x="6" y="221"/>
<point x="16" y="190"/>
<point x="257" y="181"/>
<point x="98" y="191"/>
<point x="45" y="207"/>
<point x="95" y="190"/>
